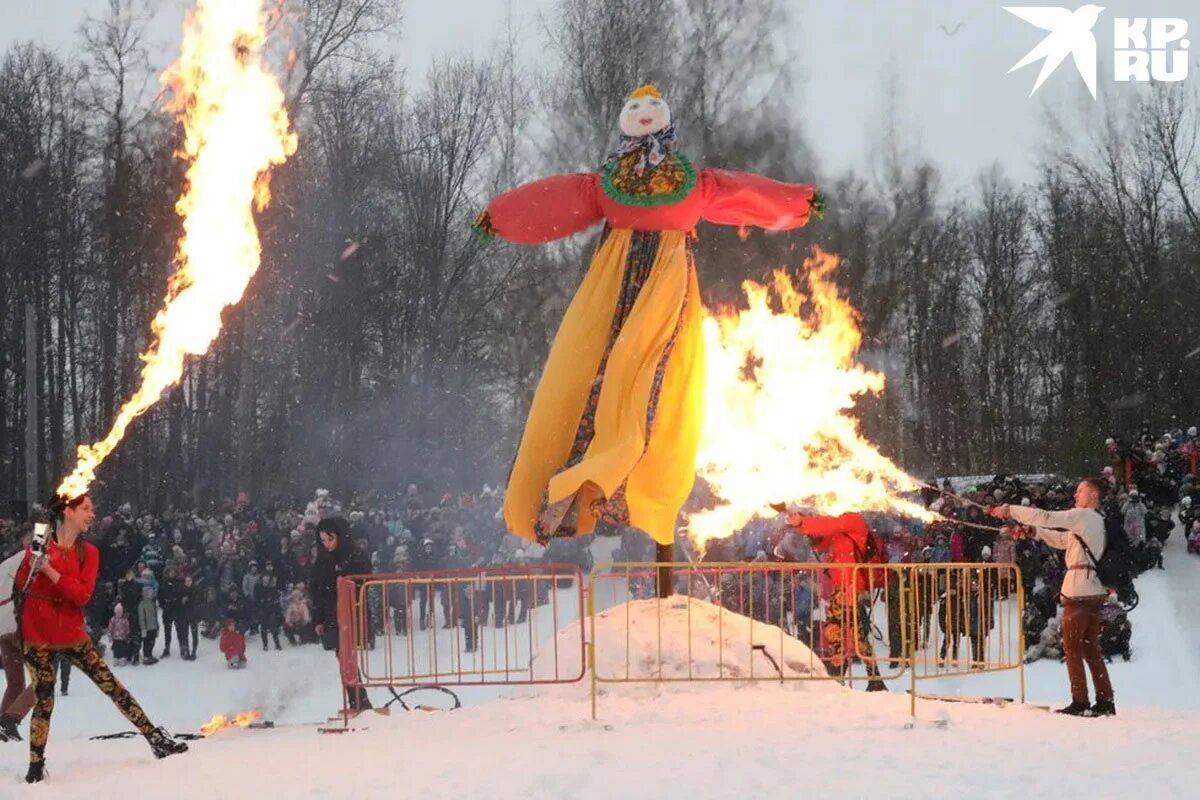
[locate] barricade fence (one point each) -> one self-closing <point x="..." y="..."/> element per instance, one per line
<point x="759" y="621"/>
<point x="474" y="627"/>
<point x="857" y="623"/>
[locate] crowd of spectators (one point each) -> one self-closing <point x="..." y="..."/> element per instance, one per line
<point x="178" y="578"/>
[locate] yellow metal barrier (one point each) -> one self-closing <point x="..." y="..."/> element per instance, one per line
<point x="885" y="618"/>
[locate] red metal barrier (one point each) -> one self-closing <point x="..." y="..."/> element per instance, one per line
<point x="498" y="626"/>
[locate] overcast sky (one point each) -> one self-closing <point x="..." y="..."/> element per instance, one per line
<point x="955" y="99"/>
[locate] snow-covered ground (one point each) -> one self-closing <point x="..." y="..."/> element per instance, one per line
<point x="715" y="740"/>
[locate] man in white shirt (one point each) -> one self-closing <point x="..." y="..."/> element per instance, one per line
<point x="1077" y="531"/>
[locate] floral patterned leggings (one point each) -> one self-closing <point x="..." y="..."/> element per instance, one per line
<point x="43" y="664"/>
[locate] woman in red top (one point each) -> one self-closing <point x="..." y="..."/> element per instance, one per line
<point x="52" y="627"/>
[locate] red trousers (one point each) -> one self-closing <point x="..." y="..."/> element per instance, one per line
<point x="1081" y="643"/>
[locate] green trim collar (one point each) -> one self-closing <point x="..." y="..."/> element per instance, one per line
<point x="647" y="201"/>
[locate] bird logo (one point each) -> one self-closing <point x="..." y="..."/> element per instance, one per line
<point x="1070" y="35"/>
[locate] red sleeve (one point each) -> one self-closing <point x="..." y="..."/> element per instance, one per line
<point x="79" y="590"/>
<point x="544" y="210"/>
<point x="740" y="198"/>
<point x="823" y="526"/>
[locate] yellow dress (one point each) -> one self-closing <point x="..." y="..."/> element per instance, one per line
<point x="615" y="423"/>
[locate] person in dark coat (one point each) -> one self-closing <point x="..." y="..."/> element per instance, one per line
<point x="267" y="605"/>
<point x="187" y="623"/>
<point x="336" y="557"/>
<point x="169" y="593"/>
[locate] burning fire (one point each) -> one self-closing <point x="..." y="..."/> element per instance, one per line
<point x="779" y="417"/>
<point x="236" y="128"/>
<point x="220" y="722"/>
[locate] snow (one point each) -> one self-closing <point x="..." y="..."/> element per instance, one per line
<point x="759" y="739"/>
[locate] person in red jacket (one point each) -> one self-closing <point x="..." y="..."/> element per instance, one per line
<point x="52" y="626"/>
<point x="846" y="539"/>
<point x="233" y="644"/>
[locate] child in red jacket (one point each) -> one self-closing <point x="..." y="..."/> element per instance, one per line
<point x="233" y="645"/>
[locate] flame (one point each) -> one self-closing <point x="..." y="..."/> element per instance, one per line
<point x="779" y="418"/>
<point x="236" y="128"/>
<point x="220" y="722"/>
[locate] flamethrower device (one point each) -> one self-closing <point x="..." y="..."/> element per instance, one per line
<point x="41" y="537"/>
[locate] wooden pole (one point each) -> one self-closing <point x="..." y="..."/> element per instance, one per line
<point x="666" y="554"/>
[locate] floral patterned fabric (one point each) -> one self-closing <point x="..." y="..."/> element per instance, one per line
<point x="43" y="663"/>
<point x="557" y="519"/>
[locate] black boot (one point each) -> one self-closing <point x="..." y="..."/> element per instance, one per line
<point x="876" y="685"/>
<point x="37" y="772"/>
<point x="1104" y="709"/>
<point x="8" y="729"/>
<point x="1076" y="709"/>
<point x="163" y="744"/>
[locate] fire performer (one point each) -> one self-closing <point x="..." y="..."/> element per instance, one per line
<point x="52" y="626"/>
<point x="615" y="423"/>
<point x="1080" y="533"/>
<point x="846" y="539"/>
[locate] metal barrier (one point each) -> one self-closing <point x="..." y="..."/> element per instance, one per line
<point x="892" y="614"/>
<point x="493" y="621"/>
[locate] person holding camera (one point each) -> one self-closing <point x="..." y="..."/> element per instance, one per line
<point x="1079" y="532"/>
<point x="57" y="584"/>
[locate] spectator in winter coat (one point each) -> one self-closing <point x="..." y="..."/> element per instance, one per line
<point x="1049" y="643"/>
<point x="267" y="606"/>
<point x="186" y="621"/>
<point x="250" y="582"/>
<point x="238" y="608"/>
<point x="169" y="593"/>
<point x="338" y="556"/>
<point x="1134" y="511"/>
<point x="297" y="618"/>
<point x="958" y="545"/>
<point x="129" y="593"/>
<point x="233" y="644"/>
<point x="208" y="613"/>
<point x="118" y="634"/>
<point x="147" y="612"/>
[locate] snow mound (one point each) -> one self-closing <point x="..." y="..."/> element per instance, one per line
<point x="684" y="638"/>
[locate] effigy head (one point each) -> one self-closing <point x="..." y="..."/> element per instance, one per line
<point x="645" y="112"/>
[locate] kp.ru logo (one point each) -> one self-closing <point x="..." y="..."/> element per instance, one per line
<point x="1144" y="48"/>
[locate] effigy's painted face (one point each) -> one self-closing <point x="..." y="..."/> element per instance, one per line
<point x="644" y="115"/>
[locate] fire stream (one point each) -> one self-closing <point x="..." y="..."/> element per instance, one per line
<point x="220" y="722"/>
<point x="236" y="128"/>
<point x="779" y="416"/>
